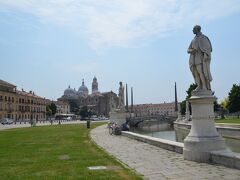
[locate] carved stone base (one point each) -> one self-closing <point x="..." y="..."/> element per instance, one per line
<point x="203" y="137"/>
<point x="118" y="116"/>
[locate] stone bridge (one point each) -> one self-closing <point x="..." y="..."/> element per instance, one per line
<point x="135" y="121"/>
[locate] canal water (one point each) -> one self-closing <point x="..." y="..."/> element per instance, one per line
<point x="178" y="136"/>
<point x="168" y="134"/>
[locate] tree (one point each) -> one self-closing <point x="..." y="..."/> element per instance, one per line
<point x="48" y="111"/>
<point x="189" y="93"/>
<point x="234" y="98"/>
<point x="85" y="112"/>
<point x="216" y="106"/>
<point x="225" y="104"/>
<point x="74" y="107"/>
<point x="183" y="107"/>
<point x="53" y="107"/>
<point x="190" y="89"/>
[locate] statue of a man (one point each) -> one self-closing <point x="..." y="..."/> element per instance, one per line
<point x="121" y="103"/>
<point x="200" y="56"/>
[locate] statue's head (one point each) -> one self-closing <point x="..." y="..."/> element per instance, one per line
<point x="196" y="29"/>
<point x="120" y="83"/>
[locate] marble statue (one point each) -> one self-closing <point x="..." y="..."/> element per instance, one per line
<point x="200" y="56"/>
<point x="121" y="104"/>
<point x="203" y="138"/>
<point x="187" y="113"/>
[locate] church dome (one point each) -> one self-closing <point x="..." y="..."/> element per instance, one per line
<point x="69" y="91"/>
<point x="83" y="90"/>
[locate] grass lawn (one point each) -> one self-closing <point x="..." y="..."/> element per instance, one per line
<point x="55" y="152"/>
<point x="229" y="120"/>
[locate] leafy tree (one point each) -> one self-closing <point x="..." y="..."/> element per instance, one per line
<point x="189" y="93"/>
<point x="74" y="107"/>
<point x="234" y="98"/>
<point x="216" y="106"/>
<point x="84" y="111"/>
<point x="183" y="107"/>
<point x="53" y="108"/>
<point x="190" y="89"/>
<point x="48" y="111"/>
<point x="225" y="104"/>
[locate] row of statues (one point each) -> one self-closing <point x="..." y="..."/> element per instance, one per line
<point x="200" y="50"/>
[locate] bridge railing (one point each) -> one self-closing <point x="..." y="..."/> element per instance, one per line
<point x="134" y="121"/>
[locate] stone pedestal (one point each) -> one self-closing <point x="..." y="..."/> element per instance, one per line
<point x="203" y="137"/>
<point x="118" y="116"/>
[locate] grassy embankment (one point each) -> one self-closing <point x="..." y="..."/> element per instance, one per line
<point x="229" y="120"/>
<point x="56" y="152"/>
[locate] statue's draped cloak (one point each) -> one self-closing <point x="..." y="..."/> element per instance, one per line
<point x="202" y="43"/>
<point x="206" y="47"/>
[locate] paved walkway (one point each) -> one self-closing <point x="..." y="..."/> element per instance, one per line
<point x="157" y="163"/>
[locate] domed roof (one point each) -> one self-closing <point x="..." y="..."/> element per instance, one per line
<point x="83" y="89"/>
<point x="69" y="91"/>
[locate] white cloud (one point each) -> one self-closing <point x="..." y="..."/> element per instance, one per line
<point x="124" y="23"/>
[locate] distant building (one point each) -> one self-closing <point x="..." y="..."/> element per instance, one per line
<point x="63" y="107"/>
<point x="155" y="109"/>
<point x="20" y="105"/>
<point x="100" y="103"/>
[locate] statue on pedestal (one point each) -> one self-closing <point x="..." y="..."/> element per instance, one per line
<point x="200" y="56"/>
<point x="121" y="104"/>
<point x="118" y="115"/>
<point x="187" y="113"/>
<point x="203" y="138"/>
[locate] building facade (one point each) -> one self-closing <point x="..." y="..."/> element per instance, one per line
<point x="63" y="107"/>
<point x="100" y="103"/>
<point x="155" y="109"/>
<point x="20" y="105"/>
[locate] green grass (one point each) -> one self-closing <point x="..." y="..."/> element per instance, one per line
<point x="229" y="120"/>
<point x="33" y="153"/>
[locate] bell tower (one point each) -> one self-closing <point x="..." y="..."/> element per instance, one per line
<point x="94" y="86"/>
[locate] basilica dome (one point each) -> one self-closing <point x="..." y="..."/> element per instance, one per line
<point x="69" y="92"/>
<point x="83" y="90"/>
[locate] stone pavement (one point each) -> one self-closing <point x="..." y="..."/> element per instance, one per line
<point x="157" y="163"/>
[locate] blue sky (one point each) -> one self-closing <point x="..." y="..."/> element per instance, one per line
<point x="47" y="45"/>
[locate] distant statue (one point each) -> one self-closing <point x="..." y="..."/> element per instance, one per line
<point x="200" y="56"/>
<point x="187" y="113"/>
<point x="121" y="103"/>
